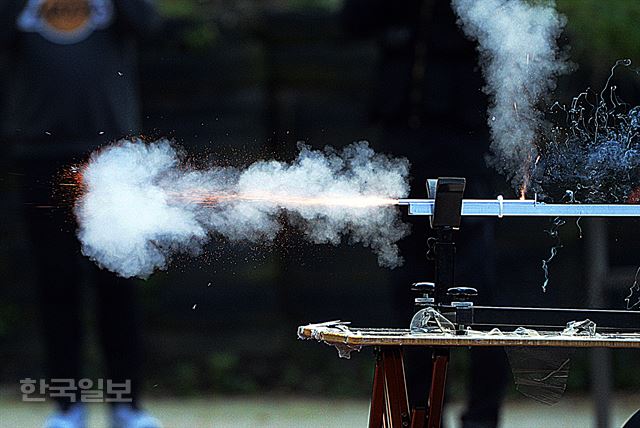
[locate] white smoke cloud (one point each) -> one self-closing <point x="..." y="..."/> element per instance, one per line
<point x="520" y="61"/>
<point x="142" y="204"/>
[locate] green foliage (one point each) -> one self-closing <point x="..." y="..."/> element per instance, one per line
<point x="330" y="5"/>
<point x="201" y="37"/>
<point x="197" y="9"/>
<point x="602" y="31"/>
<point x="178" y="8"/>
<point x="626" y="372"/>
<point x="226" y="374"/>
<point x="186" y="377"/>
<point x="599" y="32"/>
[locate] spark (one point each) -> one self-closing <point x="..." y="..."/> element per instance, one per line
<point x="70" y="186"/>
<point x="525" y="180"/>
<point x="526" y="177"/>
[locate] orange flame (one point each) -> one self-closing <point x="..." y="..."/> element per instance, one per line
<point x="282" y="200"/>
<point x="72" y="180"/>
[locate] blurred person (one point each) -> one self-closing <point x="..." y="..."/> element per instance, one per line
<point x="71" y="86"/>
<point x="430" y="108"/>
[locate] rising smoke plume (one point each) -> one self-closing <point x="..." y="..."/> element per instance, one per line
<point x="520" y="61"/>
<point x="142" y="203"/>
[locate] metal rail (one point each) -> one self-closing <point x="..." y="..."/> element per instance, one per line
<point x="547" y="318"/>
<point x="525" y="208"/>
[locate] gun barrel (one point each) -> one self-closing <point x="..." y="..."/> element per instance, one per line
<point x="525" y="208"/>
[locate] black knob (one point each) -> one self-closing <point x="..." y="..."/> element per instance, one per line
<point x="462" y="293"/>
<point x="423" y="287"/>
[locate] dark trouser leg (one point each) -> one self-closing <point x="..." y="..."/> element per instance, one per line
<point x="489" y="368"/>
<point x="60" y="303"/>
<point x="489" y="376"/>
<point x="119" y="329"/>
<point x="55" y="256"/>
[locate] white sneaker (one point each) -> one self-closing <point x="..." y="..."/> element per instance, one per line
<point x="74" y="417"/>
<point x="125" y="416"/>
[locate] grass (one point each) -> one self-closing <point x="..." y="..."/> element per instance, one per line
<point x="284" y="412"/>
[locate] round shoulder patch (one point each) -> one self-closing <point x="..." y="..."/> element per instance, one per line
<point x="65" y="21"/>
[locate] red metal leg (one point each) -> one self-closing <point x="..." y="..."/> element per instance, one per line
<point x="418" y="417"/>
<point x="389" y="402"/>
<point x="396" y="388"/>
<point x="438" y="383"/>
<point x="376" y="409"/>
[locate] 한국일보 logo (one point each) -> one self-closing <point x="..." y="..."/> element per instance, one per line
<point x="65" y="21"/>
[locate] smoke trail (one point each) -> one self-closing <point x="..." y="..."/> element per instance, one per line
<point x="597" y="151"/>
<point x="520" y="61"/>
<point x="142" y="203"/>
